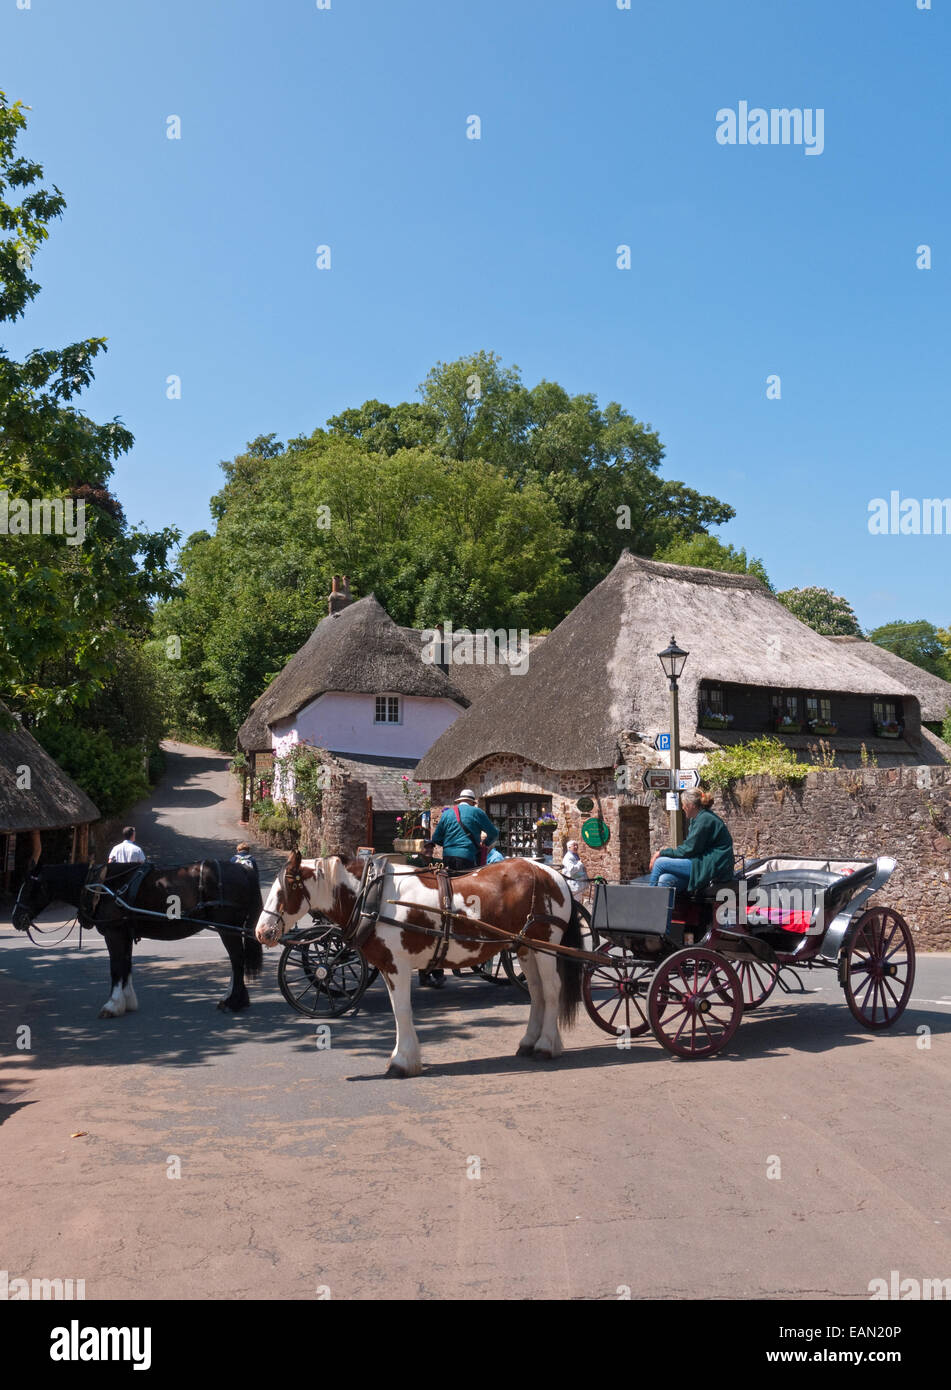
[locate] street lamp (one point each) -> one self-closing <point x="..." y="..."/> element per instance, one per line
<point x="673" y="659"/>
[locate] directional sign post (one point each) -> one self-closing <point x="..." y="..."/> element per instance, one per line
<point x="658" y="779"/>
<point x="688" y="777"/>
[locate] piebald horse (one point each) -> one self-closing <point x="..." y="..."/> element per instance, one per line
<point x="505" y="894"/>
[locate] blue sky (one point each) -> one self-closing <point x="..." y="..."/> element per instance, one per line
<point x="347" y="127"/>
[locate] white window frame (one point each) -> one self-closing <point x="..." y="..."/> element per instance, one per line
<point x="389" y="701"/>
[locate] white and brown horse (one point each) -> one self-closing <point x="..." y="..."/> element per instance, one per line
<point x="506" y="895"/>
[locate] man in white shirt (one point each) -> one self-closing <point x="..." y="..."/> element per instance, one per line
<point x="126" y="851"/>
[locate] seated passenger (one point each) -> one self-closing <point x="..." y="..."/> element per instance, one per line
<point x="706" y="856"/>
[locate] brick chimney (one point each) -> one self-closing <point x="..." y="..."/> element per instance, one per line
<point x="339" y="594"/>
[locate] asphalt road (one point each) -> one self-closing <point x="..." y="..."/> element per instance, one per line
<point x="306" y="1173"/>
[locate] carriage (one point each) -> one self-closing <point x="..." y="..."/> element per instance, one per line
<point x="687" y="967"/>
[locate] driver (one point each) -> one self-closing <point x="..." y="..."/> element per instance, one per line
<point x="706" y="856"/>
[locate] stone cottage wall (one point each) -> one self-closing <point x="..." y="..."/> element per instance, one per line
<point x="623" y="856"/>
<point x="341" y="823"/>
<point x="904" y="812"/>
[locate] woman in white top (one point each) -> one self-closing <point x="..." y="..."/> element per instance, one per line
<point x="573" y="869"/>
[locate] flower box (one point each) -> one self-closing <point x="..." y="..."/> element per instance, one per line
<point x="823" y="729"/>
<point x="716" y="721"/>
<point x="792" y="727"/>
<point x="888" y="730"/>
<point x="408" y="846"/>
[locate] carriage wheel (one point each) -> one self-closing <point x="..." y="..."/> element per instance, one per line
<point x="614" y="995"/>
<point x="757" y="982"/>
<point x="695" y="1002"/>
<point x="513" y="969"/>
<point x="879" y="969"/>
<point x="322" y="974"/>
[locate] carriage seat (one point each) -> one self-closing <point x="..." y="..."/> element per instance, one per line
<point x="836" y="888"/>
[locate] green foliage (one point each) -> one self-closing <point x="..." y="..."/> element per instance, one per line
<point x="760" y="755"/>
<point x="917" y="641"/>
<point x="305" y="771"/>
<point x="64" y="607"/>
<point x="111" y="776"/>
<point x="706" y="552"/>
<point x="822" y="610"/>
<point x="487" y="503"/>
<point x="946" y="727"/>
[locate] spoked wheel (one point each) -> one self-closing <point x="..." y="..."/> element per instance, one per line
<point x="757" y="982"/>
<point x="318" y="973"/>
<point x="879" y="969"/>
<point x="695" y="1002"/>
<point x="615" y="995"/>
<point x="503" y="968"/>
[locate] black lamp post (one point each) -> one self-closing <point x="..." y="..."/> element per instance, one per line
<point x="673" y="659"/>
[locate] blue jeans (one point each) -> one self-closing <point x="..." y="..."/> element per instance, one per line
<point x="670" y="873"/>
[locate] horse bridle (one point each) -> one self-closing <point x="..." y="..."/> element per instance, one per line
<point x="293" y="879"/>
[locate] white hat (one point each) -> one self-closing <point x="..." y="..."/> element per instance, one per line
<point x="466" y="795"/>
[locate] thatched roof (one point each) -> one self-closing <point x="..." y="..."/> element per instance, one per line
<point x="934" y="694"/>
<point x="359" y="650"/>
<point x="598" y="674"/>
<point x="473" y="678"/>
<point x="53" y="799"/>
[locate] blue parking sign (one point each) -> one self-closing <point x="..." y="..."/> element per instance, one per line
<point x="662" y="743"/>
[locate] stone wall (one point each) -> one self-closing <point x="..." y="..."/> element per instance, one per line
<point x="341" y="823"/>
<point x="622" y="857"/>
<point x="903" y="812"/>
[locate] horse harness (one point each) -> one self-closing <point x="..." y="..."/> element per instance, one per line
<point x="124" y="896"/>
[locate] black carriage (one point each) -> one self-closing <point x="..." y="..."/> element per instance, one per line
<point x="687" y="967"/>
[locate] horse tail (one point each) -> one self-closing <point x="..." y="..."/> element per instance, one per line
<point x="571" y="970"/>
<point x="253" y="950"/>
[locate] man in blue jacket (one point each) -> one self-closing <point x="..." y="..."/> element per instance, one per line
<point x="459" y="831"/>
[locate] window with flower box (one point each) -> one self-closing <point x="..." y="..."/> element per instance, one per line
<point x="712" y="711"/>
<point x="785" y="710"/>
<point x="819" y="714"/>
<point x="887" y="718"/>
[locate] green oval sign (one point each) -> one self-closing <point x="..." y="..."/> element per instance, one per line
<point x="595" y="833"/>
<point x="584" y="805"/>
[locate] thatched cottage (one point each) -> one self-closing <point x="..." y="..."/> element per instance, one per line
<point x="362" y="689"/>
<point x="581" y="721"/>
<point x="933" y="693"/>
<point x="41" y="809"/>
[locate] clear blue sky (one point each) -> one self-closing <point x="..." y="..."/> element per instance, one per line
<point x="299" y="127"/>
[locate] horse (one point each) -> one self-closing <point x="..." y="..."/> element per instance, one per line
<point x="506" y="895"/>
<point x="174" y="893"/>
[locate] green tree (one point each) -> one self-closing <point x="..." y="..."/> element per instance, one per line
<point x="64" y="606"/>
<point x="821" y="609"/>
<point x="707" y="552"/>
<point x="917" y="641"/>
<point x="599" y="466"/>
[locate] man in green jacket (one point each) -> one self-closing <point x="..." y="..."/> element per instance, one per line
<point x="706" y="856"/>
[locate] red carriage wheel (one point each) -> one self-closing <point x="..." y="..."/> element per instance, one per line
<point x="757" y="982"/>
<point x="614" y="995"/>
<point x="695" y="1002"/>
<point x="879" y="969"/>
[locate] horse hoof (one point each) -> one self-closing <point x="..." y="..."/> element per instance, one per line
<point x="107" y="1013"/>
<point x="395" y="1070"/>
<point x="542" y="1054"/>
<point x="525" y="1050"/>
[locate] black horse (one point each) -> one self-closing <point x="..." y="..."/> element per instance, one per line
<point x="106" y="897"/>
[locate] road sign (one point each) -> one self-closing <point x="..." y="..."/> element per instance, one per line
<point x="673" y="801"/>
<point x="658" y="779"/>
<point x="662" y="743"/>
<point x="688" y="777"/>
